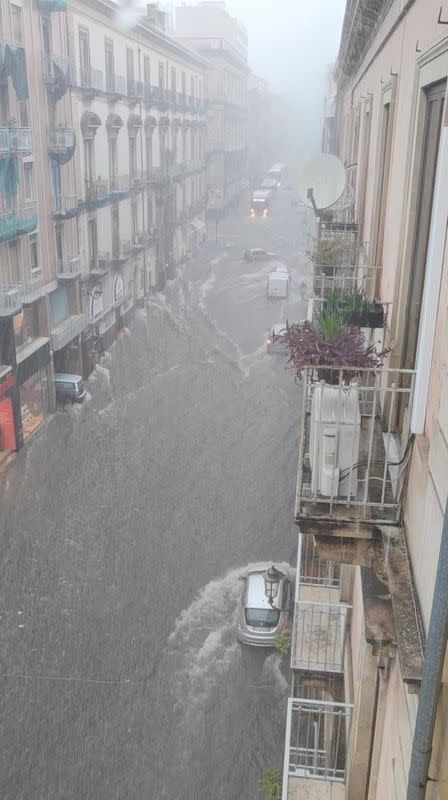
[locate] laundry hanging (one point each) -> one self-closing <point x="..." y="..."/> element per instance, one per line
<point x="13" y="63"/>
<point x="9" y="176"/>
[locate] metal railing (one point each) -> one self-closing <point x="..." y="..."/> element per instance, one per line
<point x="316" y="739"/>
<point x="354" y="442"/>
<point x="27" y="218"/>
<point x="313" y="570"/>
<point x="15" y="140"/>
<point x="92" y="79"/>
<point x="69" y="266"/>
<point x="60" y="139"/>
<point x="11" y="298"/>
<point x="53" y="63"/>
<point x="341" y="278"/>
<point x="96" y="189"/>
<point x="117" y="85"/>
<point x="156" y="175"/>
<point x="31" y="287"/>
<point x="63" y="204"/>
<point x="120" y="183"/>
<point x="318" y="636"/>
<point x="100" y="264"/>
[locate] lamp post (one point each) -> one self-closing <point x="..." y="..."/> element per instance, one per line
<point x="272" y="580"/>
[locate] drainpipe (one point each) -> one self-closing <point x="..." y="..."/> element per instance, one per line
<point x="431" y="677"/>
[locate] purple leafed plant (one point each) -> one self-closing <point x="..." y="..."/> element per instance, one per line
<point x="309" y="348"/>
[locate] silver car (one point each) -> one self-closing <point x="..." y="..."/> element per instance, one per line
<point x="259" y="620"/>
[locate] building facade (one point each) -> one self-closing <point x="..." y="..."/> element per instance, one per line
<point x="369" y="648"/>
<point x="222" y="40"/>
<point x="103" y="186"/>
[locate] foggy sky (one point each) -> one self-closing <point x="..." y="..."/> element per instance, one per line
<point x="291" y="44"/>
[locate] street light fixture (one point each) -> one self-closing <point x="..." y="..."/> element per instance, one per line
<point x="272" y="580"/>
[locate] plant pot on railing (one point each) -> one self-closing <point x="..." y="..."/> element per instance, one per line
<point x="368" y="318"/>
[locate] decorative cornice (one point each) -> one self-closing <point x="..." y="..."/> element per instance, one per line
<point x="361" y="21"/>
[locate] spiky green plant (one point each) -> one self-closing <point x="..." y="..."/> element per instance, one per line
<point x="271" y="784"/>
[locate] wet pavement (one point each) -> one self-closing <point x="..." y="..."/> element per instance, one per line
<point x="125" y="525"/>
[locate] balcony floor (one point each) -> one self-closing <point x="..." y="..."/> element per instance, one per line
<point x="309" y="789"/>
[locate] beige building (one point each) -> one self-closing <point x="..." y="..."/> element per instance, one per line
<point x="102" y="185"/>
<point x="369" y="641"/>
<point x="222" y="40"/>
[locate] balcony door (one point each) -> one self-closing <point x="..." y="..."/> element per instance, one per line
<point x="430" y="150"/>
<point x="84" y="56"/>
<point x="110" y="68"/>
<point x="93" y="242"/>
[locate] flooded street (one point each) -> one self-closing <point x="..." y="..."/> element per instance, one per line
<point x="125" y="525"/>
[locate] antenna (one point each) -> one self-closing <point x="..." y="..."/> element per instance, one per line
<point x="322" y="182"/>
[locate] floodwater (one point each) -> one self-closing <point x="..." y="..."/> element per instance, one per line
<point x="125" y="525"/>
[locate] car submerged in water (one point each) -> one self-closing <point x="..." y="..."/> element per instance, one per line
<point x="259" y="619"/>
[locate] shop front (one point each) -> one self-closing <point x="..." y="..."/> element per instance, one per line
<point x="33" y="376"/>
<point x="11" y="435"/>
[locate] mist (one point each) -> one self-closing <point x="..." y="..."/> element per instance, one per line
<point x="292" y="44"/>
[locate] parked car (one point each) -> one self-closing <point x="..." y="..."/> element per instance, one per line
<point x="258" y="254"/>
<point x="69" y="388"/>
<point x="274" y="341"/>
<point x="259" y="622"/>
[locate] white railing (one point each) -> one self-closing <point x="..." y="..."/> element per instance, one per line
<point x="71" y="266"/>
<point x="312" y="570"/>
<point x="11" y="298"/>
<point x="18" y="140"/>
<point x="338" y="278"/>
<point x="120" y="84"/>
<point x="92" y="79"/>
<point x="354" y="443"/>
<point x="32" y="286"/>
<point x="60" y="139"/>
<point x="318" y="637"/>
<point x="317" y="735"/>
<point x="65" y="64"/>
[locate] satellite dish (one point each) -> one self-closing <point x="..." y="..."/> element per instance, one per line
<point x="322" y="182"/>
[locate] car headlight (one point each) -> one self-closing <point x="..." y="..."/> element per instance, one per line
<point x="268" y="341"/>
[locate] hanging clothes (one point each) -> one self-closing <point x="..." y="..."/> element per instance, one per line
<point x="13" y="63"/>
<point x="61" y="81"/>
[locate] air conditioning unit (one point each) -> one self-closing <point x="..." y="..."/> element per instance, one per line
<point x="334" y="440"/>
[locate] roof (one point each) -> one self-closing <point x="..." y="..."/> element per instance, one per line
<point x="255" y="591"/>
<point x="261" y="194"/>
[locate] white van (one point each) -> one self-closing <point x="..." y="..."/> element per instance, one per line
<point x="278" y="282"/>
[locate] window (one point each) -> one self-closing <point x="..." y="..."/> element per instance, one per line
<point x="134" y="220"/>
<point x="46" y="37"/>
<point x="110" y="69"/>
<point x="132" y="156"/>
<point x="34" y="253"/>
<point x="173" y="79"/>
<point x="5" y="113"/>
<point x="28" y="180"/>
<point x="14" y="268"/>
<point x="59" y="237"/>
<point x="16" y="23"/>
<point x="192" y="86"/>
<point x="93" y="242"/>
<point x="148" y="142"/>
<point x="88" y="159"/>
<point x="435" y="96"/>
<point x="113" y="160"/>
<point x="84" y="56"/>
<point x="147" y="77"/>
<point x="130" y="70"/>
<point x="161" y="76"/>
<point x="184" y="84"/>
<point x="23" y="113"/>
<point x="56" y="184"/>
<point x="383" y="180"/>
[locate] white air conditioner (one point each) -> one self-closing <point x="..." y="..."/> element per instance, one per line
<point x="334" y="440"/>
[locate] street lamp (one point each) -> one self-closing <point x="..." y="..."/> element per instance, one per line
<point x="272" y="580"/>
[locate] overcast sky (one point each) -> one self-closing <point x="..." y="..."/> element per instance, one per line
<point x="291" y="44"/>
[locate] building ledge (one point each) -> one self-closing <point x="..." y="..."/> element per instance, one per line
<point x="30" y="348"/>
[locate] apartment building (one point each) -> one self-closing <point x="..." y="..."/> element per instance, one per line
<point x="102" y="183"/>
<point x="222" y="40"/>
<point x="368" y="654"/>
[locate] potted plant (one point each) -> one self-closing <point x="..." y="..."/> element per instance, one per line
<point x="328" y="252"/>
<point x="329" y="343"/>
<point x="362" y="312"/>
<point x="283" y="642"/>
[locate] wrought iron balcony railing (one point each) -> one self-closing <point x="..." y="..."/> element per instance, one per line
<point x="61" y="139"/>
<point x="317" y="734"/>
<point x="92" y="79"/>
<point x="15" y="140"/>
<point x="341" y="278"/>
<point x="69" y="267"/>
<point x="11" y="298"/>
<point x="354" y="444"/>
<point x="318" y="637"/>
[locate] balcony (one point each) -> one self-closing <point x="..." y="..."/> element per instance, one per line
<point x="116" y="85"/>
<point x="181" y="102"/>
<point x="92" y="80"/>
<point x="170" y="97"/>
<point x="33" y="289"/>
<point x="60" y="70"/>
<point x="61" y="141"/>
<point x="158" y="97"/>
<point x="333" y="278"/>
<point x="120" y="186"/>
<point x="52" y="5"/>
<point x="317" y="735"/>
<point x="69" y="268"/>
<point x="15" y="141"/>
<point x="10" y="299"/>
<point x="353" y="446"/>
<point x="8" y="226"/>
<point x="65" y="206"/>
<point x="315" y="573"/>
<point x="97" y="191"/>
<point x="318" y="637"/>
<point x="27" y="219"/>
<point x="100" y="265"/>
<point x="157" y="176"/>
<point x="68" y="330"/>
